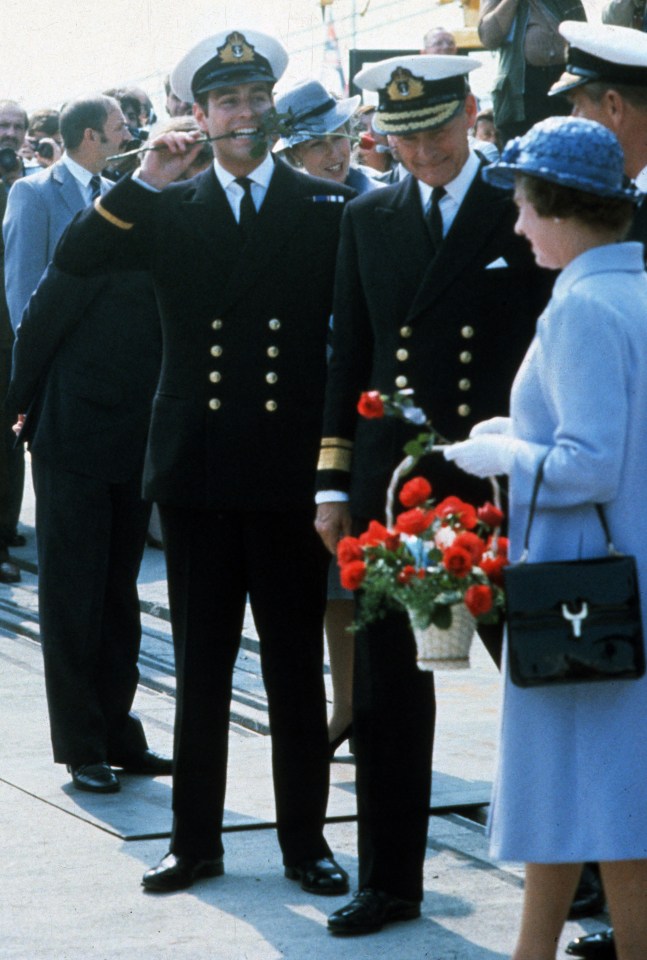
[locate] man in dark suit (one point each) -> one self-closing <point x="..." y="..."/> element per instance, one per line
<point x="434" y="293"/>
<point x="12" y="460"/>
<point x="86" y="361"/>
<point x="242" y="258"/>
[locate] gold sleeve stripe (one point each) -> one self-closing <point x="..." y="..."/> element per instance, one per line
<point x="336" y="442"/>
<point x="334" y="459"/>
<point x="115" y="221"/>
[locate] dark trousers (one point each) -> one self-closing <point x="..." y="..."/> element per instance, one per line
<point x="12" y="460"/>
<point x="90" y="537"/>
<point x="394" y="715"/>
<point x="394" y="711"/>
<point x="214" y="560"/>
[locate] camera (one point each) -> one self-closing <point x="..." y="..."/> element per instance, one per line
<point x="44" y="150"/>
<point x="9" y="161"/>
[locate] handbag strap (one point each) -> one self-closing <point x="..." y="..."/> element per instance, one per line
<point x="531" y="515"/>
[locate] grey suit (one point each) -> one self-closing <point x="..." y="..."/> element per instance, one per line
<point x="39" y="209"/>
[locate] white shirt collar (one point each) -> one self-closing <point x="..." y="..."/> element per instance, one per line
<point x="456" y="188"/>
<point x="262" y="174"/>
<point x="82" y="174"/>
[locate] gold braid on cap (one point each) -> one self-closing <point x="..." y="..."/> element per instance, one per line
<point x="412" y="120"/>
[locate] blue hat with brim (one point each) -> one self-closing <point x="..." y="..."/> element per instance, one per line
<point x="311" y="113"/>
<point x="569" y="151"/>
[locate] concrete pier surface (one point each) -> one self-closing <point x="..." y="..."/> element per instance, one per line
<point x="71" y="863"/>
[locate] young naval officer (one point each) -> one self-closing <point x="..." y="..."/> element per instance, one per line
<point x="434" y="292"/>
<point x="242" y="258"/>
<point x="606" y="80"/>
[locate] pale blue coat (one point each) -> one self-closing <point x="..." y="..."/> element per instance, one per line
<point x="572" y="774"/>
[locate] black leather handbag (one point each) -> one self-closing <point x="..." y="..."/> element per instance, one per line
<point x="572" y="621"/>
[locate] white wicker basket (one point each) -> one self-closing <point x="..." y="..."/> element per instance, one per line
<point x="446" y="649"/>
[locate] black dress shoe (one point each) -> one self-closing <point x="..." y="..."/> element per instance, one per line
<point x="369" y="911"/>
<point x="323" y="876"/>
<point x="148" y="763"/>
<point x="95" y="778"/>
<point x="9" y="572"/>
<point x="589" y="897"/>
<point x="176" y="872"/>
<point x="346" y="734"/>
<point x="594" y="946"/>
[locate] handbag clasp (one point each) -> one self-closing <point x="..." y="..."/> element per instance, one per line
<point x="575" y="617"/>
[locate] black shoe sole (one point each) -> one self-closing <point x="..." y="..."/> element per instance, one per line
<point x="411" y="914"/>
<point x="86" y="788"/>
<point x="202" y="873"/>
<point x="292" y="873"/>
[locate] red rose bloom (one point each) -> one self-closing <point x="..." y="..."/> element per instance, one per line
<point x="348" y="549"/>
<point x="457" y="561"/>
<point x="392" y="541"/>
<point x="492" y="567"/>
<point x="415" y="492"/>
<point x="414" y="521"/>
<point x="405" y="574"/>
<point x="374" y="535"/>
<point x="473" y="544"/>
<point x="366" y="142"/>
<point x="453" y="507"/>
<point x="371" y="405"/>
<point x="478" y="599"/>
<point x="490" y="515"/>
<point x="352" y="574"/>
<point x="503" y="545"/>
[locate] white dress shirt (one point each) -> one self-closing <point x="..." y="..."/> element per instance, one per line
<point x="260" y="178"/>
<point x="82" y="177"/>
<point x="455" y="192"/>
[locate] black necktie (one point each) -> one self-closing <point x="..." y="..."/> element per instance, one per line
<point x="434" y="217"/>
<point x="95" y="187"/>
<point x="247" y="213"/>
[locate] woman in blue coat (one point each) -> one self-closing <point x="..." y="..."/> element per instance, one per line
<point x="572" y="774"/>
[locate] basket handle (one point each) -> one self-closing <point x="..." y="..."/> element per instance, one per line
<point x="405" y="466"/>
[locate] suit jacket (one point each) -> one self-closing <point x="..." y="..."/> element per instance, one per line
<point x="38" y="212"/>
<point x="237" y="414"/>
<point x="453" y="327"/>
<point x="6" y="330"/>
<point x="85" y="365"/>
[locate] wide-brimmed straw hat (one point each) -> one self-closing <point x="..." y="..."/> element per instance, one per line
<point x="569" y="151"/>
<point x="313" y="112"/>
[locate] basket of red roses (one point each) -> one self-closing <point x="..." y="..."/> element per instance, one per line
<point x="441" y="562"/>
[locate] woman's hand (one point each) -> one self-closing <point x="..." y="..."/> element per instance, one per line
<point x="501" y="425"/>
<point x="488" y="455"/>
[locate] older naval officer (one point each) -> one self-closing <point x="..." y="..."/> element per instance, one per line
<point x="433" y="292"/>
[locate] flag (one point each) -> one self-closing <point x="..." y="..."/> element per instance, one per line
<point x="332" y="72"/>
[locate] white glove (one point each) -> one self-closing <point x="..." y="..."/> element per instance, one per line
<point x="494" y="425"/>
<point x="484" y="456"/>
